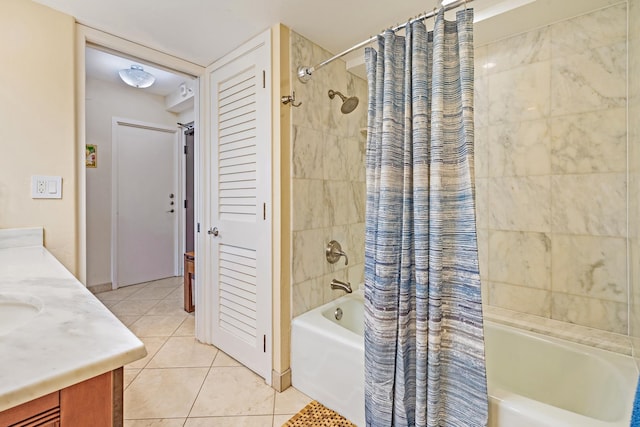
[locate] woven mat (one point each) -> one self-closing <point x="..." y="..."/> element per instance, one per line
<point x="317" y="415"/>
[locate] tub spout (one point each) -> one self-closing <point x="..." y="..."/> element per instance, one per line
<point x="337" y="284"/>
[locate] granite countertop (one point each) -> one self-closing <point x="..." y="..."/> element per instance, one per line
<point x="73" y="337"/>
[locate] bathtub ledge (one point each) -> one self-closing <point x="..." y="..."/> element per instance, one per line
<point x="575" y="333"/>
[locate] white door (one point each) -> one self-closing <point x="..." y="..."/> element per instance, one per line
<point x="240" y="197"/>
<point x="145" y="202"/>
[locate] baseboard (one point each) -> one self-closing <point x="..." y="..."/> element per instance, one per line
<point x="281" y="381"/>
<point x="103" y="287"/>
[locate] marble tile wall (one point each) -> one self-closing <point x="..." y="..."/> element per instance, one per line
<point x="551" y="170"/>
<point x="634" y="176"/>
<point x="327" y="170"/>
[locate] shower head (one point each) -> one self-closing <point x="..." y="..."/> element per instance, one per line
<point x="348" y="104"/>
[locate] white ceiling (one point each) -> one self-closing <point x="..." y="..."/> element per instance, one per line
<point x="105" y="66"/>
<point x="202" y="31"/>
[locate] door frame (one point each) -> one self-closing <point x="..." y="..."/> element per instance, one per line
<point x="183" y="187"/>
<point x="87" y="36"/>
<point x="177" y="174"/>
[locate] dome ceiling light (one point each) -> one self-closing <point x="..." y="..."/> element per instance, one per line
<point x="137" y="77"/>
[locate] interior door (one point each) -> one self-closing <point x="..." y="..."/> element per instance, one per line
<point x="145" y="202"/>
<point x="240" y="225"/>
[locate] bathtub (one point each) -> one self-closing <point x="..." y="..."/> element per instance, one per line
<point x="533" y="380"/>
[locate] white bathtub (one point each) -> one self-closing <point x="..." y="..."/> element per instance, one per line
<point x="533" y="380"/>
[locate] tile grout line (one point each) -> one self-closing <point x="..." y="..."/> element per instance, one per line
<point x="273" y="408"/>
<point x="146" y="367"/>
<point x="200" y="390"/>
<point x="127" y="298"/>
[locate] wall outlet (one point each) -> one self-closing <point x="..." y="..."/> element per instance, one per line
<point x="46" y="187"/>
<point x="41" y="186"/>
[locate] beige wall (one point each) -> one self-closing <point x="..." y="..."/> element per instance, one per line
<point x="105" y="100"/>
<point x="37" y="101"/>
<point x="327" y="185"/>
<point x="634" y="176"/>
<point x="281" y="83"/>
<point x="551" y="170"/>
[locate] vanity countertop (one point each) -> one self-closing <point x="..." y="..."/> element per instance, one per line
<point x="71" y="339"/>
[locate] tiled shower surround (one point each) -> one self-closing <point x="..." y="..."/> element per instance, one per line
<point x="551" y="166"/>
<point x="328" y="187"/>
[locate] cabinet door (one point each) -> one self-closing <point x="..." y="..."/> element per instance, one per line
<point x="96" y="402"/>
<point x="41" y="412"/>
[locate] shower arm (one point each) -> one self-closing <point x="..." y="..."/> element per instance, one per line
<point x="304" y="73"/>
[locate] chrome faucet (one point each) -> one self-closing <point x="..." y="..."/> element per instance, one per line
<point x="337" y="284"/>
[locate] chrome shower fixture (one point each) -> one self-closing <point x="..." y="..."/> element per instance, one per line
<point x="348" y="104"/>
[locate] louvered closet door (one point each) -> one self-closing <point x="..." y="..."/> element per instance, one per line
<point x="241" y="151"/>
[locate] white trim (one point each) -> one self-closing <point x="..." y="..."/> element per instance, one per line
<point x="198" y="121"/>
<point x="120" y="121"/>
<point x="87" y="35"/>
<point x="81" y="171"/>
<point x="203" y="318"/>
<point x="143" y="125"/>
<point x="128" y="48"/>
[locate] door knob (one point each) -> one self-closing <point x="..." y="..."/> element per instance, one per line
<point x="171" y="211"/>
<point x="213" y="231"/>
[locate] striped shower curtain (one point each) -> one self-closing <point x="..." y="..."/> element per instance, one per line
<point x="424" y="344"/>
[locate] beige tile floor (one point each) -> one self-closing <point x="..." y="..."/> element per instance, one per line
<point x="183" y="382"/>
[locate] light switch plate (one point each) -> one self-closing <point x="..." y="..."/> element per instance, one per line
<point x="46" y="187"/>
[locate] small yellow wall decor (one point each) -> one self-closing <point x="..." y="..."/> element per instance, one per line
<point x="91" y="152"/>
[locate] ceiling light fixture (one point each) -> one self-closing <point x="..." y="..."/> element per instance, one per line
<point x="137" y="77"/>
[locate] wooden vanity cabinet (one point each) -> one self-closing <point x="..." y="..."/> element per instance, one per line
<point x="96" y="402"/>
<point x="44" y="411"/>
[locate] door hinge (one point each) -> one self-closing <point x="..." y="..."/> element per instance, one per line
<point x="264" y="79"/>
<point x="198" y="228"/>
<point x="264" y="343"/>
<point x="185" y="149"/>
<point x="264" y="211"/>
<point x="185" y="204"/>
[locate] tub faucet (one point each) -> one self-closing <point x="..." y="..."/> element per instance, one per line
<point x="337" y="284"/>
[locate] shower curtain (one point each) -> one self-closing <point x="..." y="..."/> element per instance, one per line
<point x="424" y="345"/>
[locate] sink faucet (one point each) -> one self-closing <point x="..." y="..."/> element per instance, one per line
<point x="337" y="284"/>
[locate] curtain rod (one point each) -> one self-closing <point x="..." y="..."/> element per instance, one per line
<point x="304" y="73"/>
